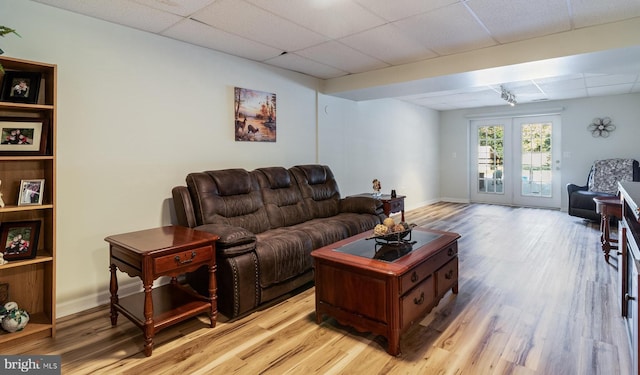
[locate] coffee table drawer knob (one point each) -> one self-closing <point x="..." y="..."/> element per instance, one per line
<point x="419" y="301"/>
<point x="414" y="277"/>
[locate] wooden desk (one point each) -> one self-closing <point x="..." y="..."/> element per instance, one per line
<point x="607" y="207"/>
<point x="149" y="254"/>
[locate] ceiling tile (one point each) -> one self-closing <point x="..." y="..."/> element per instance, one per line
<point x="610" y="90"/>
<point x="206" y="36"/>
<point x="250" y="22"/>
<point x="342" y="57"/>
<point x="387" y="43"/>
<point x="123" y="12"/>
<point x="334" y="19"/>
<point x="398" y="9"/>
<point x="300" y="64"/>
<point x="512" y="20"/>
<point x="180" y="7"/>
<point x="447" y="30"/>
<point x="594" y="80"/>
<point x="589" y="13"/>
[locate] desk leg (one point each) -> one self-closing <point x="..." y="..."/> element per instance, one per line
<point x="213" y="296"/>
<point x="402" y="214"/>
<point x="604" y="237"/>
<point x="148" y="320"/>
<point x="113" y="288"/>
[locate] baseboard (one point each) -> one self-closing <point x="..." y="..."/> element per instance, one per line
<point x="454" y="200"/>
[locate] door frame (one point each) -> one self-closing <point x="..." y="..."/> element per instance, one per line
<point x="510" y="187"/>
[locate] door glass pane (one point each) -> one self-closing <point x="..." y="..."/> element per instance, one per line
<point x="536" y="159"/>
<point x="490" y="159"/>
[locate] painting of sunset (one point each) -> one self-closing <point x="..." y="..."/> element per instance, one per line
<point x="255" y="115"/>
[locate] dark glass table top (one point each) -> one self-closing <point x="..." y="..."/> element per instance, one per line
<point x="388" y="251"/>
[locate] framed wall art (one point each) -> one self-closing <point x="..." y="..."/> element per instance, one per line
<point x="31" y="192"/>
<point x="255" y="115"/>
<point x="20" y="87"/>
<point x="19" y="239"/>
<point x="23" y="136"/>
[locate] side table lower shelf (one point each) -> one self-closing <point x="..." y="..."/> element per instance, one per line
<point x="172" y="303"/>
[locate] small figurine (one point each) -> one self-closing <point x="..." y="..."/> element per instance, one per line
<point x="2" y="260"/>
<point x="376" y="187"/>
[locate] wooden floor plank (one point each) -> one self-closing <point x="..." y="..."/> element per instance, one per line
<point x="536" y="297"/>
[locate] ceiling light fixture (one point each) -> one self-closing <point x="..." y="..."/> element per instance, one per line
<point x="508" y="96"/>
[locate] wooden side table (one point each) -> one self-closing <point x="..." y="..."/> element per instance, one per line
<point x="607" y="207"/>
<point x="149" y="254"/>
<point x="389" y="204"/>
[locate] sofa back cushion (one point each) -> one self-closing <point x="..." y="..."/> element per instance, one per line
<point x="229" y="196"/>
<point x="281" y="197"/>
<point x="319" y="189"/>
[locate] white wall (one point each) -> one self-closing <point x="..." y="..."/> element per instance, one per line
<point x="137" y="112"/>
<point x="579" y="148"/>
<point x="393" y="141"/>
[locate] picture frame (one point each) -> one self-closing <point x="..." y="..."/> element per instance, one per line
<point x="23" y="136"/>
<point x="20" y="87"/>
<point x="31" y="192"/>
<point x="255" y="115"/>
<point x="19" y="239"/>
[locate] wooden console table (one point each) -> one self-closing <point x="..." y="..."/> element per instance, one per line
<point x="385" y="289"/>
<point x="607" y="207"/>
<point x="149" y="254"/>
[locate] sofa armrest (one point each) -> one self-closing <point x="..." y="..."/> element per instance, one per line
<point x="233" y="240"/>
<point x="573" y="187"/>
<point x="184" y="206"/>
<point x="361" y="205"/>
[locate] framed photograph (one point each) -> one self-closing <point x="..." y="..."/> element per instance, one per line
<point x="20" y="87"/>
<point x="23" y="136"/>
<point x="31" y="192"/>
<point x="19" y="239"/>
<point x="255" y="115"/>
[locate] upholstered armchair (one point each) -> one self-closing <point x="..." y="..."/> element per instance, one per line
<point x="602" y="181"/>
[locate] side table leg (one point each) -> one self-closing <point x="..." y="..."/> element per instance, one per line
<point x="113" y="288"/>
<point x="148" y="320"/>
<point x="213" y="295"/>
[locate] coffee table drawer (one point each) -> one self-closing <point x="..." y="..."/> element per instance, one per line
<point x="182" y="259"/>
<point x="416" y="302"/>
<point x="447" y="276"/>
<point x="418" y="273"/>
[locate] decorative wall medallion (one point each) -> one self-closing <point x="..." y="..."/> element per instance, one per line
<point x="601" y="127"/>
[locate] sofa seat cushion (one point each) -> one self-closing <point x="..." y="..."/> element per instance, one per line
<point x="357" y="223"/>
<point x="282" y="253"/>
<point x="324" y="231"/>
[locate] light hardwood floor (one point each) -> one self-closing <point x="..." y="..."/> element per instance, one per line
<point x="536" y="297"/>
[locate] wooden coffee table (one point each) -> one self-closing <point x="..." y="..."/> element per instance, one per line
<point x="381" y="288"/>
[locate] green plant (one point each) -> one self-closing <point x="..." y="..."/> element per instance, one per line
<point x="4" y="30"/>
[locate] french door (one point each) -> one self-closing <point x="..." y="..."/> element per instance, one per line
<point x="515" y="161"/>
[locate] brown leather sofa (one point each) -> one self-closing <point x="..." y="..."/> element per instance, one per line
<point x="269" y="220"/>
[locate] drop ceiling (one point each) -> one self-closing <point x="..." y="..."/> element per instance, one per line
<point x="338" y="39"/>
